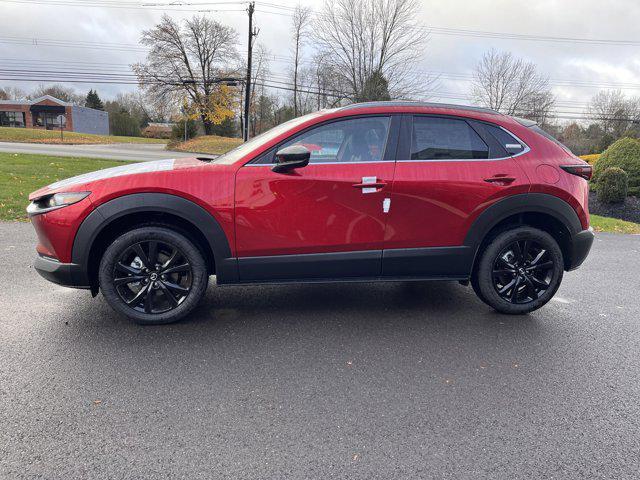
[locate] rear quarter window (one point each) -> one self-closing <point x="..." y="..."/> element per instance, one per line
<point x="511" y="144"/>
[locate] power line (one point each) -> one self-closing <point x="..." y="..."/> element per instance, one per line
<point x="559" y="115"/>
<point x="101" y="66"/>
<point x="88" y="76"/>
<point x="288" y="11"/>
<point x="168" y="7"/>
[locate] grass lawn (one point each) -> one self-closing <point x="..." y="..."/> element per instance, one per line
<point x="29" y="135"/>
<point x="21" y="174"/>
<point x="613" y="225"/>
<point x="210" y="144"/>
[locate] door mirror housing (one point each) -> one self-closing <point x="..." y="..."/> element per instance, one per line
<point x="291" y="157"/>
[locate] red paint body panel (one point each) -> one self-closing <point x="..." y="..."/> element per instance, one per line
<point x="316" y="209"/>
<point x="434" y="203"/>
<point x="56" y="229"/>
<point x="572" y="189"/>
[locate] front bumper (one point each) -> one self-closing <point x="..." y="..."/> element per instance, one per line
<point x="65" y="274"/>
<point x="579" y="248"/>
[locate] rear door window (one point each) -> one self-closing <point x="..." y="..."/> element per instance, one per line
<point x="437" y="138"/>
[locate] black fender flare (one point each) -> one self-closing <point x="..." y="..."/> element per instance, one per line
<point x="521" y="203"/>
<point x="110" y="211"/>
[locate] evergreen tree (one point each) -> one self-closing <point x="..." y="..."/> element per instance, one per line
<point x="375" y="88"/>
<point x="93" y="101"/>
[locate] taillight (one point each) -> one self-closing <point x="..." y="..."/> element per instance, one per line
<point x="584" y="171"/>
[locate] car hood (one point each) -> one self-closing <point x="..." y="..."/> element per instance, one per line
<point x="107" y="173"/>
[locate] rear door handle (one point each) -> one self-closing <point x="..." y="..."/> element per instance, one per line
<point x="500" y="179"/>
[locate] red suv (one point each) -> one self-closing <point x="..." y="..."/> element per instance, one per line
<point x="370" y="192"/>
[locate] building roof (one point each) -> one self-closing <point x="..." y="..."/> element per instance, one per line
<point x="36" y="100"/>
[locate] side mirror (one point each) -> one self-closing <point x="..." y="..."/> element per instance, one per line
<point x="294" y="156"/>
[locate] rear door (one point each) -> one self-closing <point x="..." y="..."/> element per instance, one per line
<point x="325" y="220"/>
<point x="448" y="170"/>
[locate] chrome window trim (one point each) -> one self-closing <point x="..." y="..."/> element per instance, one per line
<point x="322" y="163"/>
<point x="526" y="150"/>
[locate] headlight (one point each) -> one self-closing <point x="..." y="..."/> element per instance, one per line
<point x="55" y="201"/>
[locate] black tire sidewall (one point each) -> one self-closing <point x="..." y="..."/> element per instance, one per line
<point x="188" y="249"/>
<point x="485" y="269"/>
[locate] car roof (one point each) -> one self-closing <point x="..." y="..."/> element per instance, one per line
<point x="416" y="104"/>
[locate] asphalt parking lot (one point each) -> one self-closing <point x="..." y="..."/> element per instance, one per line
<point x="363" y="381"/>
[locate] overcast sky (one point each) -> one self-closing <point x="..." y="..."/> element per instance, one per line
<point x="26" y="23"/>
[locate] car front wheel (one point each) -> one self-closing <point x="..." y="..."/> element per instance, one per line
<point x="153" y="275"/>
<point x="519" y="271"/>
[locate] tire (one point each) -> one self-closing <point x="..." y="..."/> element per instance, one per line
<point x="476" y="289"/>
<point x="149" y="291"/>
<point x="519" y="271"/>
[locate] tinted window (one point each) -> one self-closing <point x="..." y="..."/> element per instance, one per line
<point x="504" y="138"/>
<point x="353" y="140"/>
<point x="445" y="139"/>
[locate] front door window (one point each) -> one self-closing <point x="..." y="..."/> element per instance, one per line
<point x="346" y="141"/>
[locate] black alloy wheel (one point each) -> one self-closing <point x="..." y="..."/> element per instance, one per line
<point x="519" y="271"/>
<point x="152" y="277"/>
<point x="522" y="271"/>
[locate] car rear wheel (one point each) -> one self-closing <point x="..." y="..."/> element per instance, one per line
<point x="153" y="275"/>
<point x="519" y="271"/>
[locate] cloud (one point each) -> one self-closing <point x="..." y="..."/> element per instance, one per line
<point x="445" y="53"/>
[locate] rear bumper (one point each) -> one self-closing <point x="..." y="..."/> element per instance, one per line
<point x="65" y="274"/>
<point x="580" y="246"/>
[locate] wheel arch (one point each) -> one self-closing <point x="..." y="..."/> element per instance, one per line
<point x="108" y="220"/>
<point x="545" y="212"/>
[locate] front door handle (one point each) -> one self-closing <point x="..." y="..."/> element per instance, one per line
<point x="376" y="185"/>
<point x="500" y="179"/>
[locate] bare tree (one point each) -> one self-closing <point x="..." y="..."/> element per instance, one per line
<point x="66" y="94"/>
<point x="300" y="23"/>
<point x="511" y="85"/>
<point x="259" y="74"/>
<point x="359" y="39"/>
<point x="538" y="107"/>
<point x="186" y="61"/>
<point x="12" y="93"/>
<point x="614" y="112"/>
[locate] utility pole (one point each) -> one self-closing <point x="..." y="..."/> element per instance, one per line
<point x="253" y="32"/>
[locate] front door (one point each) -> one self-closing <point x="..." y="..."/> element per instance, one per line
<point x="325" y="220"/>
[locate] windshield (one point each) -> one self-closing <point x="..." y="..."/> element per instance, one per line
<point x="240" y="151"/>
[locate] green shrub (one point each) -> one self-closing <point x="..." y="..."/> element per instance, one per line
<point x="624" y="154"/>
<point x="123" y="124"/>
<point x="613" y="185"/>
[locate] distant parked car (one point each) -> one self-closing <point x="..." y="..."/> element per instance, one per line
<point x="370" y="192"/>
